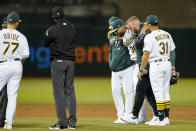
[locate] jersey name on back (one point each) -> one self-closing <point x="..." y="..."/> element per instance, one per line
<point x="161" y="37"/>
<point x="11" y="36"/>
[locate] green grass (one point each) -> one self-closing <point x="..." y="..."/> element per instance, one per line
<point x="96" y="91"/>
<point x="97" y="124"/>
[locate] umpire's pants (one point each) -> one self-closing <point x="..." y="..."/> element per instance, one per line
<point x="143" y="89"/>
<point x="3" y="105"/>
<point x="62" y="72"/>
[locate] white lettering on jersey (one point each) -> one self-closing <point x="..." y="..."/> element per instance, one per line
<point x="13" y="45"/>
<point x="159" y="43"/>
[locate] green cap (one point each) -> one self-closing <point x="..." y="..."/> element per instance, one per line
<point x="152" y="19"/>
<point x="111" y="19"/>
<point x="13" y="17"/>
<point x="116" y="24"/>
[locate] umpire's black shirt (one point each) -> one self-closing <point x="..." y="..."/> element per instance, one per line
<point x="60" y="39"/>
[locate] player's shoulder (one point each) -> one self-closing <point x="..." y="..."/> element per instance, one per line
<point x="165" y="32"/>
<point x="51" y="28"/>
<point x="148" y="36"/>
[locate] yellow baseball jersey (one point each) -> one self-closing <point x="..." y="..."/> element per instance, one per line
<point x="13" y="44"/>
<point x="159" y="43"/>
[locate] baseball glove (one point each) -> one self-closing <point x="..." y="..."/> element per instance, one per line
<point x="174" y="77"/>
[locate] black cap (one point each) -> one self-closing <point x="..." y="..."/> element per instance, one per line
<point x="57" y="12"/>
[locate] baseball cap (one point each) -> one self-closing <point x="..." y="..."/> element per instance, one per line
<point x="57" y="12"/>
<point x="116" y="24"/>
<point x="111" y="19"/>
<point x="13" y="17"/>
<point x="152" y="19"/>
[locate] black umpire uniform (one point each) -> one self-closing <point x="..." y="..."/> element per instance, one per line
<point x="60" y="39"/>
<point x="143" y="88"/>
<point x="3" y="93"/>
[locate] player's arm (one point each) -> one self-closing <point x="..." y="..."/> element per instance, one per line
<point x="147" y="50"/>
<point x="145" y="58"/>
<point x="172" y="59"/>
<point x="172" y="54"/>
<point x="47" y="38"/>
<point x="110" y="52"/>
<point x="25" y="49"/>
<point x="144" y="62"/>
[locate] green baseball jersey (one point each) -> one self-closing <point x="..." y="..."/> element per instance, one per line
<point x="119" y="58"/>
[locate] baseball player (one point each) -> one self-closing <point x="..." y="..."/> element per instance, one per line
<point x="143" y="88"/>
<point x="157" y="47"/>
<point x="13" y="49"/>
<point x="122" y="68"/>
<point x="4" y="99"/>
<point x="129" y="41"/>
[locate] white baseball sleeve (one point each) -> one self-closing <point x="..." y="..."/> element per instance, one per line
<point x="147" y="44"/>
<point x="25" y="49"/>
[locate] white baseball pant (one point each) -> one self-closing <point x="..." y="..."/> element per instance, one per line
<point x="10" y="74"/>
<point x="160" y="74"/>
<point x="123" y="79"/>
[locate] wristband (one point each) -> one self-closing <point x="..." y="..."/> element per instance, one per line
<point x="141" y="35"/>
<point x="141" y="71"/>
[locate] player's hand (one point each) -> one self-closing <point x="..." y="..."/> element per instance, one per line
<point x="139" y="75"/>
<point x="108" y="35"/>
<point x="145" y="72"/>
<point x="145" y="27"/>
<point x="173" y="69"/>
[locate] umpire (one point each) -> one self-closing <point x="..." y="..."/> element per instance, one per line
<point x="60" y="39"/>
<point x="4" y="99"/>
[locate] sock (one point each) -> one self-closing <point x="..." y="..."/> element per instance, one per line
<point x="161" y="109"/>
<point x="167" y="108"/>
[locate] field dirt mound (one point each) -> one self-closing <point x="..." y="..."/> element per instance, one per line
<point x="84" y="110"/>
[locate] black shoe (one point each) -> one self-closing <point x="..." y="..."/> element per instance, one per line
<point x="56" y="127"/>
<point x="72" y="127"/>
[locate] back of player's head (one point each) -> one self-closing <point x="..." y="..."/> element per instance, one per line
<point x="57" y="12"/>
<point x="13" y="17"/>
<point x="152" y="19"/>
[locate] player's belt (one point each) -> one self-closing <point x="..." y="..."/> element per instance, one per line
<point x="17" y="59"/>
<point x="159" y="60"/>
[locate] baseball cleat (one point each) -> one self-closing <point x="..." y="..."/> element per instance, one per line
<point x="119" y="121"/>
<point x="72" y="127"/>
<point x="134" y="120"/>
<point x="130" y="118"/>
<point x="166" y="120"/>
<point x="57" y="127"/>
<point x="126" y="117"/>
<point x="157" y="122"/>
<point x="8" y="126"/>
<point x="153" y="119"/>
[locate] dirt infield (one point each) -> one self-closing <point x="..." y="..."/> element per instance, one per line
<point x="48" y="110"/>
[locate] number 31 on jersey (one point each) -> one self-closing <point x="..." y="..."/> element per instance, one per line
<point x="164" y="48"/>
